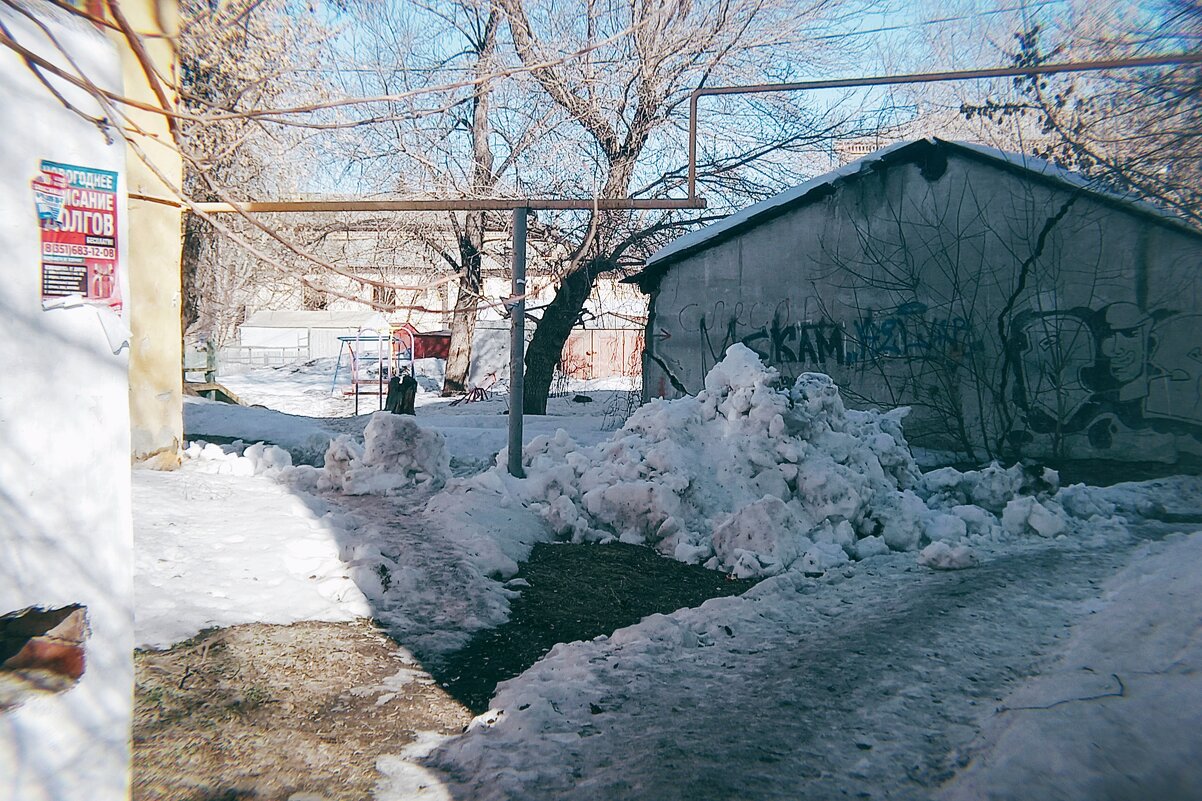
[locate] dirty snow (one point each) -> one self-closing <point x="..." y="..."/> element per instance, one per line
<point x="899" y="609"/>
<point x="755" y="479"/>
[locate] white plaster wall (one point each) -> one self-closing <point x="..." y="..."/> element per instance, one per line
<point x="65" y="534"/>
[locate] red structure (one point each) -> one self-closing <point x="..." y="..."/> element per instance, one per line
<point x="429" y="345"/>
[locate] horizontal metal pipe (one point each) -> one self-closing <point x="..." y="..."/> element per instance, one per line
<point x="1163" y="60"/>
<point x="692" y="201"/>
<point x="444" y="204"/>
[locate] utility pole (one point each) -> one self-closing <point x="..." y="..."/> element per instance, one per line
<point x="517" y="343"/>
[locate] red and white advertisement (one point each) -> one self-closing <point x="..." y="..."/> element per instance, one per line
<point x="77" y="211"/>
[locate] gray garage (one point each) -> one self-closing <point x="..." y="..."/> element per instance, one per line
<point x="1016" y="309"/>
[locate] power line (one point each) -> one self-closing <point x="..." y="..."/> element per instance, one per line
<point x="1159" y="60"/>
<point x="940" y="20"/>
<point x="823" y="37"/>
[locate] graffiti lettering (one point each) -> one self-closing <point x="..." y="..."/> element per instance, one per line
<point x="780" y="342"/>
<point x="908" y="332"/>
<point x="798" y="343"/>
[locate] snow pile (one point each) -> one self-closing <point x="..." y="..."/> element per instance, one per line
<point x="755" y="479"/>
<point x="396" y="454"/>
<point x="238" y="459"/>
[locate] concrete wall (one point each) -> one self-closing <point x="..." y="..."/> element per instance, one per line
<point x="65" y="533"/>
<point x="156" y="352"/>
<point x="896" y="285"/>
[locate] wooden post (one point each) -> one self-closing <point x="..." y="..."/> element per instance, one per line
<point x="211" y="360"/>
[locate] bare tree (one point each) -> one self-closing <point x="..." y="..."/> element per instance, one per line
<point x="602" y="100"/>
<point x="438" y="140"/>
<point x="470" y="235"/>
<point x="234" y="57"/>
<point x="625" y="98"/>
<point x="1137" y="132"/>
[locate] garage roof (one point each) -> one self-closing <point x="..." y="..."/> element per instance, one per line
<point x="929" y="154"/>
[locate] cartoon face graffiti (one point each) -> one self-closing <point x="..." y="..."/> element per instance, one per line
<point x="1126" y="344"/>
<point x="1176" y="393"/>
<point x="1054" y="349"/>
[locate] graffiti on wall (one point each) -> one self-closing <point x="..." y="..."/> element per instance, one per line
<point x="1077" y="371"/>
<point x="770" y="331"/>
<point x="909" y="331"/>
<point x="1090" y="370"/>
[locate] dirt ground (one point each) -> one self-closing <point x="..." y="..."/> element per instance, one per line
<point x="273" y="713"/>
<point x="301" y="712"/>
<point x="576" y="592"/>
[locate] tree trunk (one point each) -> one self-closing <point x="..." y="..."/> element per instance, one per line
<point x="471" y="240"/>
<point x="463" y="323"/>
<point x="195" y="232"/>
<point x="551" y="334"/>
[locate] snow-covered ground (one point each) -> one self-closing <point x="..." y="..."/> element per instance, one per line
<point x="218" y="550"/>
<point x="884" y="654"/>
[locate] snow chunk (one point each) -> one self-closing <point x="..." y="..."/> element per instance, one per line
<point x="1027" y="515"/>
<point x="946" y="528"/>
<point x="396" y="454"/>
<point x="990" y="488"/>
<point x="1085" y="502"/>
<point x="941" y="556"/>
<point x="822" y="557"/>
<point x="237" y="459"/>
<point x="870" y="546"/>
<point x="767" y="528"/>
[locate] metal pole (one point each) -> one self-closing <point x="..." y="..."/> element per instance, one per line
<point x="517" y="345"/>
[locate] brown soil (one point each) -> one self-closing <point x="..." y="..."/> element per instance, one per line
<point x="576" y="592"/>
<point x="302" y="712"/>
<point x="271" y="712"/>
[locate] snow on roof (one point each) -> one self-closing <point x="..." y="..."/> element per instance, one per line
<point x="1075" y="179"/>
<point x="820" y="186"/>
<point x="316" y="319"/>
<point x="693" y="239"/>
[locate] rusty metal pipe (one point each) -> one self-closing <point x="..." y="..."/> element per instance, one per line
<point x="922" y="77"/>
<point x="450" y="204"/>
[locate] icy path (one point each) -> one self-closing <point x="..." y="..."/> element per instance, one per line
<point x="862" y="688"/>
<point x="427" y="570"/>
<point x="1121" y="705"/>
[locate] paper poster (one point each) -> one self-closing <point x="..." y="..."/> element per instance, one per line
<point x="77" y="212"/>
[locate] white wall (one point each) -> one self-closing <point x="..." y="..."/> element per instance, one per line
<point x="258" y="337"/>
<point x="65" y="534"/>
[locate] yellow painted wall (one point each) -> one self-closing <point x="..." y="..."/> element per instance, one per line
<point x="155" y="378"/>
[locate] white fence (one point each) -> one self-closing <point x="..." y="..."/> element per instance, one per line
<point x="234" y="358"/>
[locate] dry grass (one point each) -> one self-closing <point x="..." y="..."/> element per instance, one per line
<point x="264" y="712"/>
